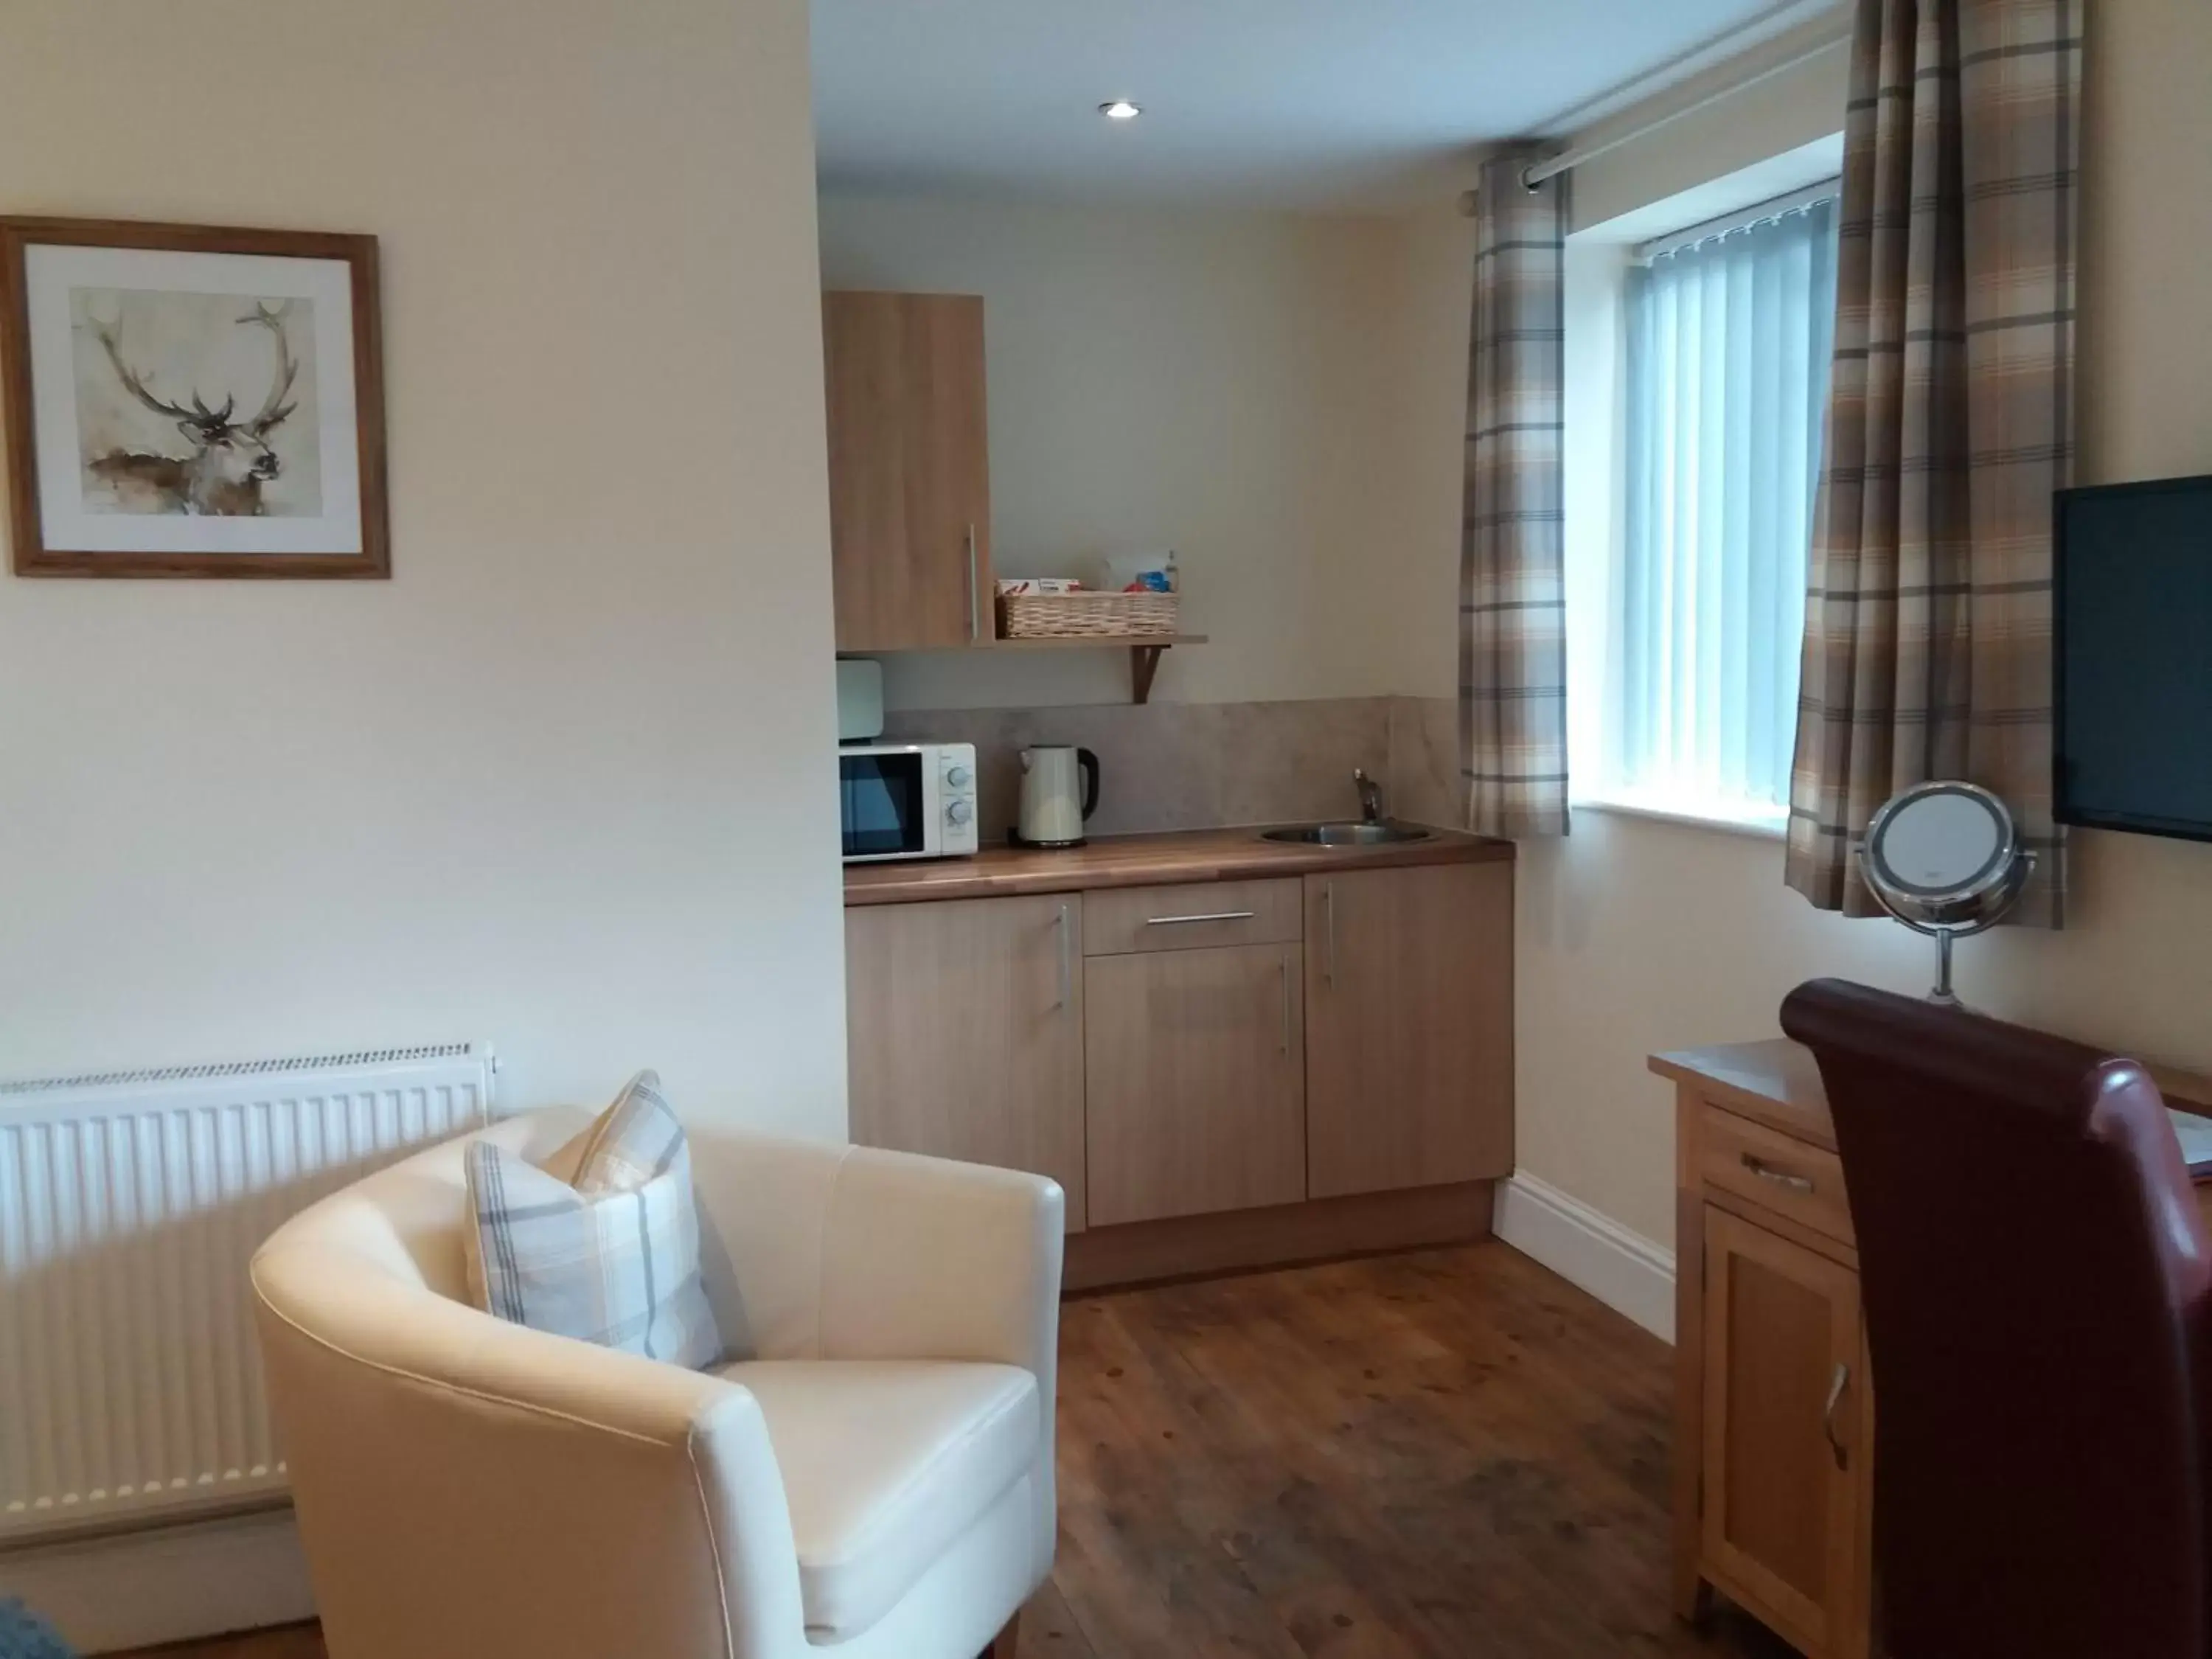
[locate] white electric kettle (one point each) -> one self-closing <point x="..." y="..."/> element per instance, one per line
<point x="1054" y="803"/>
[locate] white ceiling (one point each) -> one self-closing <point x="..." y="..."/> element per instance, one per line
<point x="1286" y="103"/>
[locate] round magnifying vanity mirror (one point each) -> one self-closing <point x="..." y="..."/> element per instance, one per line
<point x="1944" y="859"/>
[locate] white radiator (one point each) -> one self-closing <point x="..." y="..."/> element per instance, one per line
<point x="129" y="1204"/>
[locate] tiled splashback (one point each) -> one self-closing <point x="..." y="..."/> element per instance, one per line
<point x="1425" y="777"/>
<point x="1195" y="766"/>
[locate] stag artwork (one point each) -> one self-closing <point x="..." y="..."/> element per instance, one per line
<point x="229" y="460"/>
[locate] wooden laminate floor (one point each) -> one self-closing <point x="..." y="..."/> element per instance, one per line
<point x="1448" y="1453"/>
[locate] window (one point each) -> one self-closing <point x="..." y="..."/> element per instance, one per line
<point x="1729" y="337"/>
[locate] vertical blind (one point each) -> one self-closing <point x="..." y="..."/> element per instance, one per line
<point x="1728" y="344"/>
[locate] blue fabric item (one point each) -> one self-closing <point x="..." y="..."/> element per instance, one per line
<point x="23" y="1635"/>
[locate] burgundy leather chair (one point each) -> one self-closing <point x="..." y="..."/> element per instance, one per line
<point x="2037" y="1292"/>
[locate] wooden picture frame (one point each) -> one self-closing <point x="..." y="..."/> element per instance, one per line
<point x="127" y="351"/>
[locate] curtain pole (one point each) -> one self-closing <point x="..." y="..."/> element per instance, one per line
<point x="1567" y="160"/>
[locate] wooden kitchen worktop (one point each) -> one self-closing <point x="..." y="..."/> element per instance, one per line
<point x="1144" y="861"/>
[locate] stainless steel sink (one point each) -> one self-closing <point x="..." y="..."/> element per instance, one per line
<point x="1346" y="834"/>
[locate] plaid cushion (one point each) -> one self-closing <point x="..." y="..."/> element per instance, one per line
<point x="613" y="1259"/>
<point x="636" y="1139"/>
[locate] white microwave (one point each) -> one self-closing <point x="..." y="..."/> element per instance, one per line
<point x="907" y="800"/>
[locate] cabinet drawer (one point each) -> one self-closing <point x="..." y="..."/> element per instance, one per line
<point x="1791" y="1178"/>
<point x="1123" y="921"/>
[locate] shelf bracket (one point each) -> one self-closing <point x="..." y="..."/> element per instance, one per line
<point x="1144" y="663"/>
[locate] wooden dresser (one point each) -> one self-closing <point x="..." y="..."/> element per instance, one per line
<point x="1773" y="1408"/>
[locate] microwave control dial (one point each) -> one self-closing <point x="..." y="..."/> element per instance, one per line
<point x="958" y="811"/>
<point x="958" y="777"/>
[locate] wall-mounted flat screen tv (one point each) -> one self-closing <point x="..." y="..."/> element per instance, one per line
<point x="2132" y="657"/>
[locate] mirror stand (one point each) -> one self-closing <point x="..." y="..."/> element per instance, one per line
<point x="1944" y="858"/>
<point x="1941" y="994"/>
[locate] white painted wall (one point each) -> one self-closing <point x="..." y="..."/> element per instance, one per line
<point x="1240" y="387"/>
<point x="1635" y="935"/>
<point x="1438" y="320"/>
<point x="560" y="783"/>
<point x="1778" y="96"/>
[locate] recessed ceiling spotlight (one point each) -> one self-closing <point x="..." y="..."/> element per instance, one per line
<point x="1120" y="110"/>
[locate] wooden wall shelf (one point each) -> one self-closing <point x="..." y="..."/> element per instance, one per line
<point x="1144" y="653"/>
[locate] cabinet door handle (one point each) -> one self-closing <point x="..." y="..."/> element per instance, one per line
<point x="1766" y="1171"/>
<point x="1214" y="916"/>
<point x="1283" y="964"/>
<point x="1067" y="960"/>
<point x="1836" y="1386"/>
<point x="974" y="613"/>
<point x="1328" y="911"/>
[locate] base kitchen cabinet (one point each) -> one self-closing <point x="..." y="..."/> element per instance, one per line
<point x="965" y="1033"/>
<point x="1195" y="1082"/>
<point x="1231" y="1053"/>
<point x="1409" y="1027"/>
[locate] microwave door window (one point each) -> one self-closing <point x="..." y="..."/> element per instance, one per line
<point x="881" y="801"/>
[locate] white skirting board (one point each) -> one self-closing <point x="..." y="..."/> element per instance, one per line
<point x="138" y="1589"/>
<point x="1624" y="1270"/>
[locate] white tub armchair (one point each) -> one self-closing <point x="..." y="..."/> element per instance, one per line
<point x="876" y="1484"/>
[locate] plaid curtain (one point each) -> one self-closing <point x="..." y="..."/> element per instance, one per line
<point x="1950" y="422"/>
<point x="1512" y="606"/>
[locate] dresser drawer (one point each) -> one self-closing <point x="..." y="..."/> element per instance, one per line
<point x="1792" y="1178"/>
<point x="1123" y="921"/>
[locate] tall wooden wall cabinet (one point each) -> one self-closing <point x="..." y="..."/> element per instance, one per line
<point x="909" y="471"/>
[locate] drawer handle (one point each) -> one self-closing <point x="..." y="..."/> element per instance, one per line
<point x="1212" y="915"/>
<point x="1766" y="1171"/>
<point x="1836" y="1386"/>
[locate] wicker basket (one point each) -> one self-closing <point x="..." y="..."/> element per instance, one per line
<point x="1086" y="615"/>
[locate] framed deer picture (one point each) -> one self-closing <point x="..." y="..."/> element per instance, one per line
<point x="184" y="401"/>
